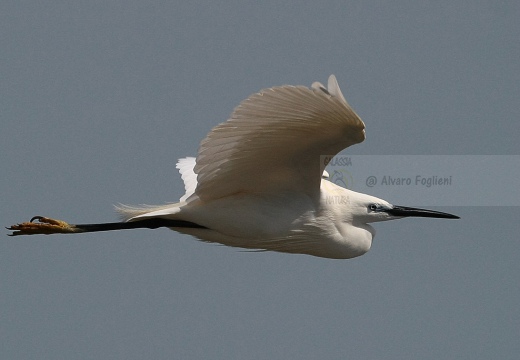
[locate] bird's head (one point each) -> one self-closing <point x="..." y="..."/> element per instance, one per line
<point x="369" y="209"/>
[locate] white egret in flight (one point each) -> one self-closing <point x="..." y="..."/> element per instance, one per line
<point x="258" y="182"/>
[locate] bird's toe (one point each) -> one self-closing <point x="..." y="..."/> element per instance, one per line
<point x="44" y="226"/>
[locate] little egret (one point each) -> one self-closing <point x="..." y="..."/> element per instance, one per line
<point x="259" y="182"/>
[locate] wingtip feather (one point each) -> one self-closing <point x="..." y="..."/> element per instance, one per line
<point x="334" y="89"/>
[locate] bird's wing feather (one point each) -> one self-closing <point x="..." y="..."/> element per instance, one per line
<point x="275" y="140"/>
<point x="185" y="166"/>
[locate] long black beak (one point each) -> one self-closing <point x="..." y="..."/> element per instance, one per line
<point x="409" y="211"/>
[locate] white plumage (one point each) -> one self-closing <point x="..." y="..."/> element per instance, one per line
<point x="257" y="180"/>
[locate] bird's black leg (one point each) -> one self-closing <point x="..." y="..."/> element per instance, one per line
<point x="48" y="226"/>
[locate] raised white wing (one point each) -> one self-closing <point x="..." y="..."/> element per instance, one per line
<point x="185" y="166"/>
<point x="275" y="140"/>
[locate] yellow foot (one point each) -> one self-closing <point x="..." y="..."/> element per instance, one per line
<point x="44" y="225"/>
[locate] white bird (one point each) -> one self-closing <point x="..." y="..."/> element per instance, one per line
<point x="259" y="182"/>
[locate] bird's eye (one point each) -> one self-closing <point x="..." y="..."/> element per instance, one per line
<point x="373" y="207"/>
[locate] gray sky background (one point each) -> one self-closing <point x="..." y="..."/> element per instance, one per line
<point x="98" y="99"/>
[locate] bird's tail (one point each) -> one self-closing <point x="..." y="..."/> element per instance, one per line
<point x="132" y="213"/>
<point x="140" y="212"/>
